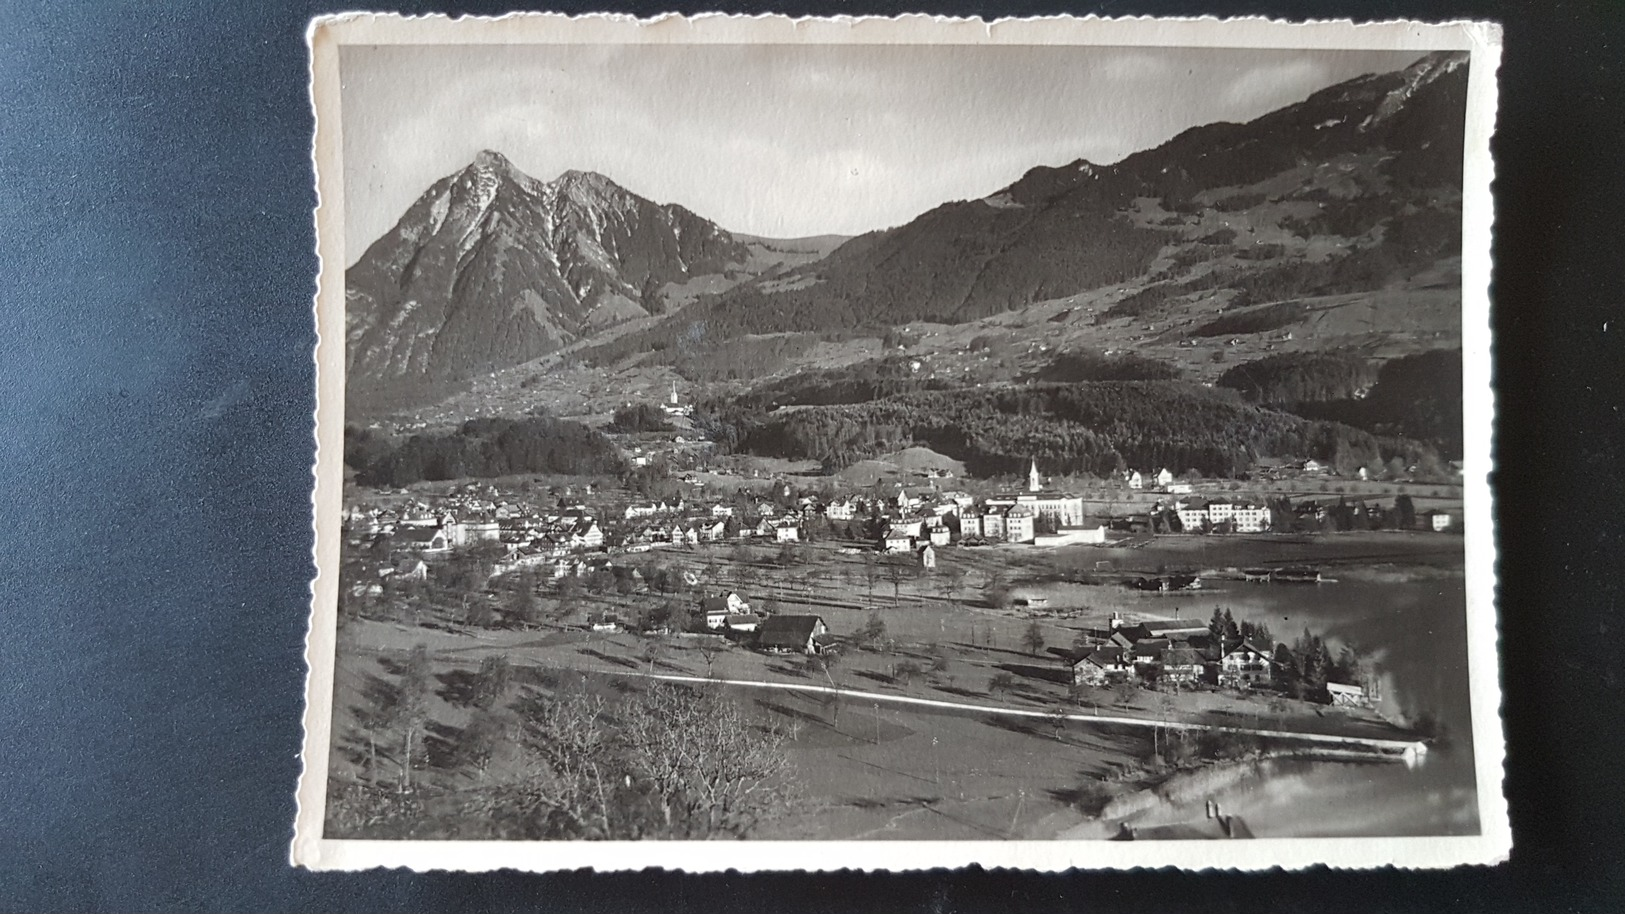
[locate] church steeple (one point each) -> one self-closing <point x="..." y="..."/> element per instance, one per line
<point x="1034" y="483"/>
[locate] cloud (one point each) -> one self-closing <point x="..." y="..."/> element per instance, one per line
<point x="1263" y="86"/>
<point x="789" y="140"/>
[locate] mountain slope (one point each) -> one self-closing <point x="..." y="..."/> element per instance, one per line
<point x="491" y="267"/>
<point x="1351" y="189"/>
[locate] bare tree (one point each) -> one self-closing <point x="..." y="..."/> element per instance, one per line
<point x="411" y="710"/>
<point x="652" y="649"/>
<point x="707" y="770"/>
<point x="567" y="789"/>
<point x="491" y="681"/>
<point x="1033" y="638"/>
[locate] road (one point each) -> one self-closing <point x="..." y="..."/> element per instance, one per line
<point x="1401" y="748"/>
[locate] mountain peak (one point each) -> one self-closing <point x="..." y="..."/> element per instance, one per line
<point x="490" y="167"/>
<point x="490" y="158"/>
<point x="584" y="180"/>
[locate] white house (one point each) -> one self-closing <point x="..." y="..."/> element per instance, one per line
<point x="993" y="524"/>
<point x="1244" y="666"/>
<point x="1251" y="518"/>
<point x="928" y="556"/>
<point x="840" y="510"/>
<point x="1135" y="480"/>
<point x="1164" y="477"/>
<point x="1018" y="524"/>
<point x="466" y="532"/>
<point x="970" y="524"/>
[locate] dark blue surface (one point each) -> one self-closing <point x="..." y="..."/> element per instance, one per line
<point x="155" y="441"/>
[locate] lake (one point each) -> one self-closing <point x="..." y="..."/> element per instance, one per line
<point x="1415" y="632"/>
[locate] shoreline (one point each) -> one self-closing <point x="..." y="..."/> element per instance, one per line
<point x="1186" y="786"/>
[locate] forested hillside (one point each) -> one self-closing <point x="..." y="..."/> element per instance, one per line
<point x="481" y="448"/>
<point x="1417" y="396"/>
<point x="1301" y="377"/>
<point x="1097" y="428"/>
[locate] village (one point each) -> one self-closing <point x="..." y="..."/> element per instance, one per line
<point x="906" y="580"/>
<point x="614" y="563"/>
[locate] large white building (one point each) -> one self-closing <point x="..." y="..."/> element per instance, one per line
<point x="1018" y="524"/>
<point x="1064" y="510"/>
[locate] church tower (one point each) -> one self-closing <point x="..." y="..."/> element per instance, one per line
<point x="1033" y="482"/>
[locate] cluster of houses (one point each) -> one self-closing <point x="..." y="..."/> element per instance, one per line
<point x="1162" y="480"/>
<point x="916" y="520"/>
<point x="780" y="633"/>
<point x="1184" y="652"/>
<point x="910" y="519"/>
<point x="529" y="537"/>
<point x="1198" y="515"/>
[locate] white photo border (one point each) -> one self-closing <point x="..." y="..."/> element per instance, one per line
<point x="327" y="34"/>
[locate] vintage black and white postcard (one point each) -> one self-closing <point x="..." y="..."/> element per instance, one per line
<point x="902" y="443"/>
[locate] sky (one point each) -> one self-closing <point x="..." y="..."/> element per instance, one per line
<point x="790" y="141"/>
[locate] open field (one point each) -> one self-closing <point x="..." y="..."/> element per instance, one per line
<point x="864" y="769"/>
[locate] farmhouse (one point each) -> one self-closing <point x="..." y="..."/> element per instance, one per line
<point x="1183" y="663"/>
<point x="791" y="634"/>
<point x="1244" y="666"/>
<point x="423" y="539"/>
<point x="895" y="542"/>
<point x="1101" y="666"/>
<point x="717" y="609"/>
<point x="742" y="622"/>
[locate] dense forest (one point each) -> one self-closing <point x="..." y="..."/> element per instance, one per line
<point x="639" y="417"/>
<point x="1301" y="377"/>
<point x="1097" y="428"/>
<point x="481" y="448"/>
<point x="1416" y="396"/>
